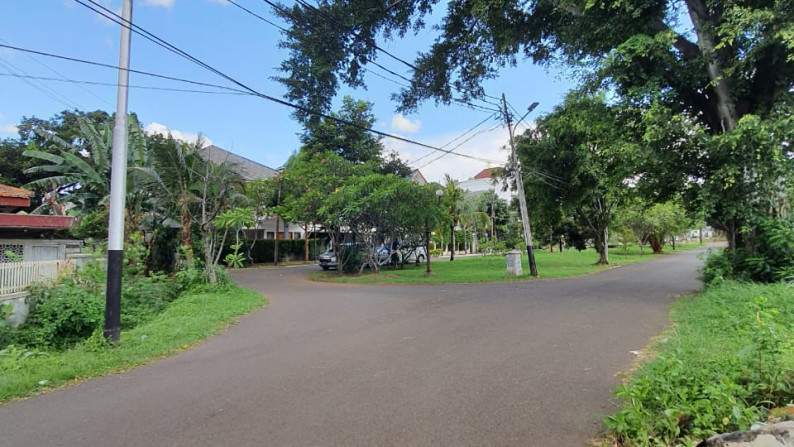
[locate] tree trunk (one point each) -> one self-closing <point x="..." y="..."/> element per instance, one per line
<point x="452" y="244"/>
<point x="184" y="234"/>
<point x="306" y="244"/>
<point x="602" y="244"/>
<point x="551" y="239"/>
<point x="726" y="109"/>
<point x="656" y="243"/>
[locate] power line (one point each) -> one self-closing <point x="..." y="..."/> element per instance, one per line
<point x="257" y="16"/>
<point x="46" y="91"/>
<point x="114" y="67"/>
<point x="110" y="84"/>
<point x="455" y="139"/>
<point x="452" y="151"/>
<point x="148" y="35"/>
<point x="60" y="74"/>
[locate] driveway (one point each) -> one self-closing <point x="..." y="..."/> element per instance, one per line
<point x="507" y="364"/>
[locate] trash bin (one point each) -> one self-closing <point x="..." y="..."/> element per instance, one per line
<point x="513" y="258"/>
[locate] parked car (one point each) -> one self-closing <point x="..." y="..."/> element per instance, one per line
<point x="327" y="260"/>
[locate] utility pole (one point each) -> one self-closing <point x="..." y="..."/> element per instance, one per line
<point x="522" y="198"/>
<point x="118" y="184"/>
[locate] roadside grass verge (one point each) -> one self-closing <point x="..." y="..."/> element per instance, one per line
<point x="491" y="268"/>
<point x="185" y="322"/>
<point x="725" y="361"/>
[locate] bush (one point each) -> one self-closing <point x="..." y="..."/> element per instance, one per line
<point x="769" y="258"/>
<point x="728" y="360"/>
<point x="288" y="249"/>
<point x="195" y="279"/>
<point x="351" y="258"/>
<point x="61" y="315"/>
<point x="143" y="297"/>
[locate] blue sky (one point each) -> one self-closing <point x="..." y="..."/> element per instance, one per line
<point x="246" y="49"/>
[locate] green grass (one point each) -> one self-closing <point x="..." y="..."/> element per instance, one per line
<point x="188" y="320"/>
<point x="482" y="269"/>
<point x="726" y="360"/>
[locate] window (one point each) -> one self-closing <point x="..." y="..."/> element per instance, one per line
<point x="14" y="250"/>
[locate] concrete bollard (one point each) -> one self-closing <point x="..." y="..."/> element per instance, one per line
<point x="513" y="258"/>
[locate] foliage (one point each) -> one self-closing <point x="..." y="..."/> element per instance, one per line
<point x="288" y="249"/>
<point x="485" y="269"/>
<point x="380" y="209"/>
<point x="770" y="259"/>
<point x="726" y="362"/>
<point x="196" y="280"/>
<point x="186" y="321"/>
<point x="80" y="174"/>
<point x="579" y="159"/>
<point x="62" y="314"/>
<point x="93" y="224"/>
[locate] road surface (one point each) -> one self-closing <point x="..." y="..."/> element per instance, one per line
<point x="506" y="364"/>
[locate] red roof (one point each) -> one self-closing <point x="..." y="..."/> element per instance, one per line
<point x="486" y="173"/>
<point x="35" y="221"/>
<point x="19" y="193"/>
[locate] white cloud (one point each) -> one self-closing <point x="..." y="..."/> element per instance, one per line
<point x="8" y="128"/>
<point x="402" y="124"/>
<point x="162" y="129"/>
<point x="162" y="3"/>
<point x="433" y="166"/>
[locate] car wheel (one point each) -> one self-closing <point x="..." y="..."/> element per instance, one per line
<point x="420" y="259"/>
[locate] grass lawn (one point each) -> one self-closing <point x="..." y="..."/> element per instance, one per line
<point x="726" y="360"/>
<point x="187" y="321"/>
<point x="481" y="269"/>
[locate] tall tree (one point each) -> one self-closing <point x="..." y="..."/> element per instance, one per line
<point x="581" y="157"/>
<point x="452" y="200"/>
<point x="710" y="62"/>
<point x="79" y="173"/>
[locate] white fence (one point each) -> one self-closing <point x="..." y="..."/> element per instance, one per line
<point x="17" y="276"/>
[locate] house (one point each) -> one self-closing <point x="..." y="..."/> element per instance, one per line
<point x="270" y="227"/>
<point x="488" y="180"/>
<point x="31" y="237"/>
<point x="417" y="178"/>
<point x="30" y="249"/>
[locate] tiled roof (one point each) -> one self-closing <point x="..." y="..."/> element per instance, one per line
<point x="486" y="173"/>
<point x="248" y="169"/>
<point x="10" y="191"/>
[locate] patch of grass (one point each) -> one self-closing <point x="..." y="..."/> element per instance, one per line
<point x="186" y="321"/>
<point x="725" y="361"/>
<point x="480" y="269"/>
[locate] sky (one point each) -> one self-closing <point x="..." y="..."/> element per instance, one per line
<point x="245" y="48"/>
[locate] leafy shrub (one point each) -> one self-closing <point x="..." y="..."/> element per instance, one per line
<point x="728" y="360"/>
<point x="769" y="258"/>
<point x="143" y="297"/>
<point x="62" y="314"/>
<point x="5" y="328"/>
<point x="718" y="266"/>
<point x="195" y="279"/>
<point x="350" y="258"/>
<point x="11" y="357"/>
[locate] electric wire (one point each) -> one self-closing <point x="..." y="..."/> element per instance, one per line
<point x="148" y="35"/>
<point x="111" y="84"/>
<point x="61" y="75"/>
<point x="46" y="91"/>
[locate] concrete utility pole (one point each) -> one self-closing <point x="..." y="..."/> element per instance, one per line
<point x="118" y="184"/>
<point x="522" y="198"/>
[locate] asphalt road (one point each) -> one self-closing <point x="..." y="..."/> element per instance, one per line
<point x="507" y="364"/>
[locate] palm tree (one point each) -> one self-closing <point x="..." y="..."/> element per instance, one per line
<point x="453" y="196"/>
<point x="178" y="164"/>
<point x="79" y="173"/>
